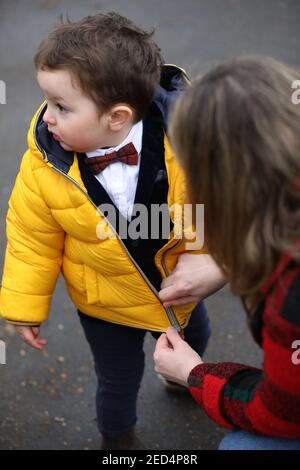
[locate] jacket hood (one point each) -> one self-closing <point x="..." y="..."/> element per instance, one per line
<point x="173" y="81"/>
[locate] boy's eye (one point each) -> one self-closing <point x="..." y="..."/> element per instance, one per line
<point x="60" y="107"/>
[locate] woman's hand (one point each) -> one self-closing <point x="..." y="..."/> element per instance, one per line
<point x="174" y="358"/>
<point x="29" y="335"/>
<point x="194" y="278"/>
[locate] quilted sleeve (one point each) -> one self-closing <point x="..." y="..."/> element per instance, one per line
<point x="34" y="251"/>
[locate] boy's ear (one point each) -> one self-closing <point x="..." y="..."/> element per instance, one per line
<point x="120" y="116"/>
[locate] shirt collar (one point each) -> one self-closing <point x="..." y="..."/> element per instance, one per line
<point x="135" y="136"/>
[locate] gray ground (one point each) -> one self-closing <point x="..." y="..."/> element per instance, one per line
<point x="47" y="400"/>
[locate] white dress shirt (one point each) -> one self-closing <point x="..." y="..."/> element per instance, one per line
<point x="119" y="179"/>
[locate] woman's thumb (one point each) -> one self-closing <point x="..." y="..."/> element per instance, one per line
<point x="162" y="342"/>
<point x="172" y="336"/>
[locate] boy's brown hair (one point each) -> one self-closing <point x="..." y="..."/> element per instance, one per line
<point x="112" y="59"/>
<point x="237" y="133"/>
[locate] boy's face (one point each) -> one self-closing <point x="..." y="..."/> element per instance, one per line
<point x="71" y="116"/>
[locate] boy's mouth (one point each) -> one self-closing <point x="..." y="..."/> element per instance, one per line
<point x="56" y="137"/>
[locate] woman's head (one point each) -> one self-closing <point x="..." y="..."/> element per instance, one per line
<point x="237" y="135"/>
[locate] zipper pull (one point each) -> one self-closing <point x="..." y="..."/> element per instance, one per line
<point x="173" y="320"/>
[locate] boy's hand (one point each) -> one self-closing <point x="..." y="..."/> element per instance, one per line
<point x="29" y="334"/>
<point x="194" y="278"/>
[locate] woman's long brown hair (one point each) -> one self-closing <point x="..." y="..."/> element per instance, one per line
<point x="236" y="132"/>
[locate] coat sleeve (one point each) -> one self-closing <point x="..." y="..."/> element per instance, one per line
<point x="34" y="250"/>
<point x="264" y="401"/>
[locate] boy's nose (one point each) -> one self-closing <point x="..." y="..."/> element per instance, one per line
<point x="48" y="118"/>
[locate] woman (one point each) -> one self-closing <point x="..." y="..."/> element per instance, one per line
<point x="237" y="135"/>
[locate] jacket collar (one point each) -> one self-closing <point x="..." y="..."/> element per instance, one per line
<point x="173" y="81"/>
<point x="60" y="158"/>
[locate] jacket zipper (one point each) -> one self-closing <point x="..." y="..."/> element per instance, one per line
<point x="170" y="313"/>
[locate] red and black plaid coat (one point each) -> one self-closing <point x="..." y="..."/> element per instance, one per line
<point x="264" y="401"/>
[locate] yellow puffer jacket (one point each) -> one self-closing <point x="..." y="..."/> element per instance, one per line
<point x="53" y="225"/>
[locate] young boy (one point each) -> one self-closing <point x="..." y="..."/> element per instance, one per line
<point x="99" y="142"/>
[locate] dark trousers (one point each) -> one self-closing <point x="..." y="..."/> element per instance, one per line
<point x="119" y="364"/>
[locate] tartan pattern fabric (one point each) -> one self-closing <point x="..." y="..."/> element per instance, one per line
<point x="126" y="154"/>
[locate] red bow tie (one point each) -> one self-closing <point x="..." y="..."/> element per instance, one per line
<point x="126" y="154"/>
